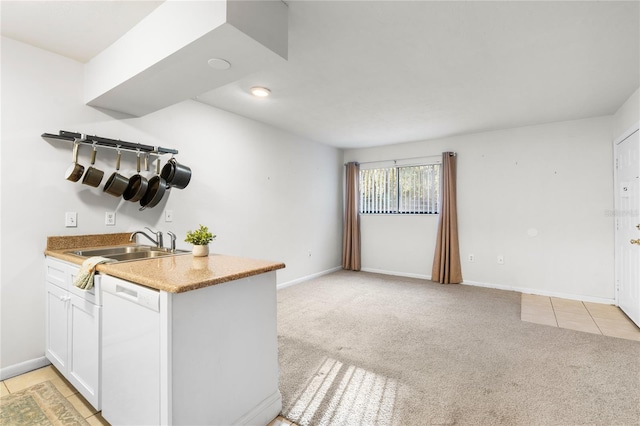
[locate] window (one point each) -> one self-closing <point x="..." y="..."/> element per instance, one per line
<point x="400" y="190"/>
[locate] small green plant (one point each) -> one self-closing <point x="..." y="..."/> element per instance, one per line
<point x="199" y="237"/>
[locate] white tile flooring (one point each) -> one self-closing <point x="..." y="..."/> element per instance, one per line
<point x="18" y="383"/>
<point x="593" y="318"/>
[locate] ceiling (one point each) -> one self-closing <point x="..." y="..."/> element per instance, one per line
<point x="368" y="73"/>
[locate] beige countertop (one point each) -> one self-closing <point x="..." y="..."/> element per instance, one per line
<point x="173" y="274"/>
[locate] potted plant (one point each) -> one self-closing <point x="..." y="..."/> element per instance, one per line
<point x="200" y="238"/>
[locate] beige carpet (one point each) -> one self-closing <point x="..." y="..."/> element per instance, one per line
<point x="365" y="349"/>
<point x="41" y="404"/>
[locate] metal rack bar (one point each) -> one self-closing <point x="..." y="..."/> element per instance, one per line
<point x="108" y="143"/>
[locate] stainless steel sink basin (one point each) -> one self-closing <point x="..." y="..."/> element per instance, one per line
<point x="127" y="253"/>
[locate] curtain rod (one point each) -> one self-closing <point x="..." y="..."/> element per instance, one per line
<point x="401" y="159"/>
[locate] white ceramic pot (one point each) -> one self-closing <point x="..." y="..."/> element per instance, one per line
<point x="200" y="251"/>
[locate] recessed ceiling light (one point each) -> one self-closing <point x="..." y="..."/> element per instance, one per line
<point x="219" y="64"/>
<point x="261" y="92"/>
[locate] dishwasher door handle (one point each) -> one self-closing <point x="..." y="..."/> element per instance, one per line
<point x="126" y="293"/>
<point x="134" y="293"/>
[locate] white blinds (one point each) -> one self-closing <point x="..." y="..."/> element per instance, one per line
<point x="419" y="189"/>
<point x="379" y="190"/>
<point x="404" y="189"/>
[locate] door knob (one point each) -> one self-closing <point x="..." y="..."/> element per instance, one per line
<point x="636" y="241"/>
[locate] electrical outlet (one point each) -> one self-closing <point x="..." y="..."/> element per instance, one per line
<point x="168" y="215"/>
<point x="471" y="258"/>
<point x="71" y="219"/>
<point x="110" y="218"/>
<point x="500" y="259"/>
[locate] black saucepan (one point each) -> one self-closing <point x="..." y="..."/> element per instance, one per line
<point x="155" y="191"/>
<point x="137" y="186"/>
<point x="116" y="184"/>
<point x="93" y="176"/>
<point x="177" y="175"/>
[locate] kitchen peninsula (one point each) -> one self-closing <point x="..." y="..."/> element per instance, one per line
<point x="184" y="340"/>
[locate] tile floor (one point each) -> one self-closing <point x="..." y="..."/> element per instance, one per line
<point x="281" y="421"/>
<point x="594" y="318"/>
<point x="18" y="383"/>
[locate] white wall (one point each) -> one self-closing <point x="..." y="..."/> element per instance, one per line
<point x="266" y="193"/>
<point x="627" y="115"/>
<point x="556" y="179"/>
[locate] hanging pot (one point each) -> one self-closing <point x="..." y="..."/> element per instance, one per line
<point x="155" y="191"/>
<point x="75" y="170"/>
<point x="93" y="176"/>
<point x="137" y="187"/>
<point x="177" y="175"/>
<point x="116" y="184"/>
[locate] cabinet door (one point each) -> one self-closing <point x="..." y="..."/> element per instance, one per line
<point x="57" y="337"/>
<point x="84" y="349"/>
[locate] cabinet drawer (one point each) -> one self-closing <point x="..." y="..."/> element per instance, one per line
<point x="57" y="273"/>
<point x="93" y="294"/>
<point x="63" y="274"/>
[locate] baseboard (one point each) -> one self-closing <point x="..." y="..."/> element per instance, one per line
<point x="542" y="292"/>
<point x="307" y="278"/>
<point x="397" y="274"/>
<point x="23" y="367"/>
<point x="538" y="292"/>
<point x="264" y="412"/>
<point x="489" y="285"/>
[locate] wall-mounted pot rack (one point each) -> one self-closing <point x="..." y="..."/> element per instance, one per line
<point x="108" y="143"/>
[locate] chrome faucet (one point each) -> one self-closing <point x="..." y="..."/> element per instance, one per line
<point x="173" y="241"/>
<point x="158" y="241"/>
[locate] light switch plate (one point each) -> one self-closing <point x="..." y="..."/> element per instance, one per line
<point x="168" y="215"/>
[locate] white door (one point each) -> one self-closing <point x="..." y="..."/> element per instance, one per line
<point x="627" y="199"/>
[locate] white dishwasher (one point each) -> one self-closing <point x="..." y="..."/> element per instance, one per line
<point x="130" y="353"/>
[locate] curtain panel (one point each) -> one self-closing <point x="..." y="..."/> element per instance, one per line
<point x="351" y="225"/>
<point x="446" y="261"/>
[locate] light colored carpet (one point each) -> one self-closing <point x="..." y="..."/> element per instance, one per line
<point x="41" y="404"/>
<point x="365" y="349"/>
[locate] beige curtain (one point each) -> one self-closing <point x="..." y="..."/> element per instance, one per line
<point x="446" y="261"/>
<point x="351" y="228"/>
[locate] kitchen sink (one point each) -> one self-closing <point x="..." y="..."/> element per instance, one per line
<point x="128" y="253"/>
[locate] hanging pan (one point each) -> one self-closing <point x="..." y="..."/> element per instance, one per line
<point x="93" y="176"/>
<point x="75" y="170"/>
<point x="116" y="184"/>
<point x="155" y="191"/>
<point x="137" y="185"/>
<point x="177" y="175"/>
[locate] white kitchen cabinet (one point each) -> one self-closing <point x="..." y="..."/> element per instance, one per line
<point x="57" y="331"/>
<point x="206" y="356"/>
<point x="73" y="329"/>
